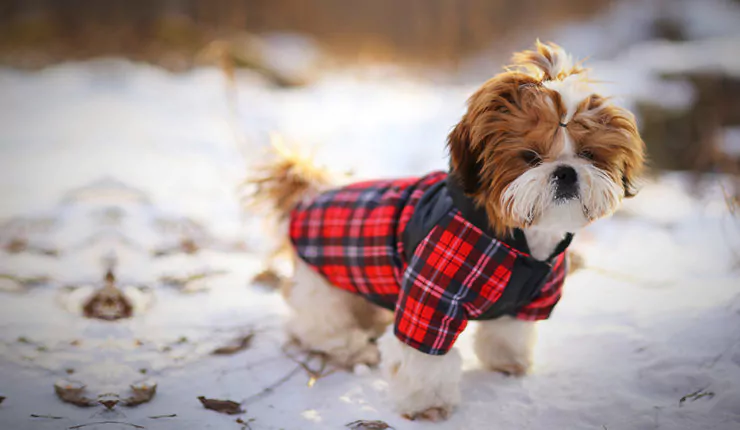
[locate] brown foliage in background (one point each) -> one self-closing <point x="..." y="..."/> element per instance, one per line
<point x="36" y="32"/>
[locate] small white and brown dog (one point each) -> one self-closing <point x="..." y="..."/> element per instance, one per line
<point x="537" y="156"/>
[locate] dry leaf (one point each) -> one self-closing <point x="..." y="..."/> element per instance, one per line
<point x="222" y="406"/>
<point x="141" y="393"/>
<point x="109" y="404"/>
<point x="108" y="303"/>
<point x="368" y="425"/>
<point x="16" y="245"/>
<point x="193" y="283"/>
<point x="239" y="344"/>
<point x="109" y="400"/>
<point x="72" y="392"/>
<point x="245" y="424"/>
<point x="14" y="284"/>
<point x="268" y="278"/>
<point x="186" y="246"/>
<point x="696" y="395"/>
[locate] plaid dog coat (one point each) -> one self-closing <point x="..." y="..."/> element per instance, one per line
<point x="420" y="247"/>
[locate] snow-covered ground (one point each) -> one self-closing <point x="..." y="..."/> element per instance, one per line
<point x="651" y="320"/>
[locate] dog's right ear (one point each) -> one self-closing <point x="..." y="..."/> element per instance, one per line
<point x="464" y="163"/>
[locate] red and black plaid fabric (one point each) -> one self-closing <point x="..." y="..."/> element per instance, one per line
<point x="352" y="236"/>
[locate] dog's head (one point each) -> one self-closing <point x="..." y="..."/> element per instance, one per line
<point x="538" y="147"/>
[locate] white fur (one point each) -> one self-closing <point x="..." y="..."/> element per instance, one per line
<point x="563" y="62"/>
<point x="559" y="62"/>
<point x="562" y="217"/>
<point x="543" y="240"/>
<point x="420" y="382"/>
<point x="506" y="344"/>
<point x="325" y="319"/>
<point x="573" y="90"/>
<point x="568" y="151"/>
<point x="528" y="195"/>
<point x="598" y="188"/>
<point x="530" y="199"/>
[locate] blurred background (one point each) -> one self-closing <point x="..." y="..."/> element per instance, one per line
<point x="128" y="259"/>
<point x="673" y="60"/>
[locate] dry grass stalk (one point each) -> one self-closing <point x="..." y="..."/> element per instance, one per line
<point x="324" y="368"/>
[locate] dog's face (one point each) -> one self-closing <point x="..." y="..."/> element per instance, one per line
<point x="538" y="148"/>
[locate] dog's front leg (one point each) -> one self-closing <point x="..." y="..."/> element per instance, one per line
<point x="421" y="386"/>
<point x="506" y="344"/>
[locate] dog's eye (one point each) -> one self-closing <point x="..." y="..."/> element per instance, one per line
<point x="588" y="155"/>
<point x="531" y="158"/>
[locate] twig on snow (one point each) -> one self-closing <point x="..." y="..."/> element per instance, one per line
<point x="106" y="422"/>
<point x="270" y="388"/>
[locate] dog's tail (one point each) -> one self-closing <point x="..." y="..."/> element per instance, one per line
<point x="280" y="184"/>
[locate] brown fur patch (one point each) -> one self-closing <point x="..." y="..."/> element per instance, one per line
<point x="609" y="135"/>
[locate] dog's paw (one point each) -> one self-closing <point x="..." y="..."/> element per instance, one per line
<point x="429" y="402"/>
<point x="434" y="414"/>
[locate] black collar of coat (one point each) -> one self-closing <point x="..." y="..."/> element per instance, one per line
<point x="477" y="216"/>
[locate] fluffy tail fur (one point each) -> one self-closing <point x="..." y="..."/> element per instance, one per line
<point x="282" y="183"/>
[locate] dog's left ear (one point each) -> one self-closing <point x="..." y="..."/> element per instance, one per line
<point x="627" y="148"/>
<point x="630" y="176"/>
<point x="634" y="160"/>
<point x="464" y="158"/>
<point x="481" y="123"/>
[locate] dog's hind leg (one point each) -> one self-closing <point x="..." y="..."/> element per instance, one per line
<point x="325" y="319"/>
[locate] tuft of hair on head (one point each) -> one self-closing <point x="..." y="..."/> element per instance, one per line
<point x="547" y="62"/>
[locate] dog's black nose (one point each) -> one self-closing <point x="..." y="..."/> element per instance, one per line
<point x="566" y="182"/>
<point x="565" y="175"/>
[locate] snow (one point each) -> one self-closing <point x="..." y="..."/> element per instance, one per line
<point x="651" y="319"/>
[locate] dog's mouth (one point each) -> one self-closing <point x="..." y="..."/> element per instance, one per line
<point x="565" y="212"/>
<point x="562" y="200"/>
<point x="565" y="193"/>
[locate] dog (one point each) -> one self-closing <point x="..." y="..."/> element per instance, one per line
<point x="537" y="156"/>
